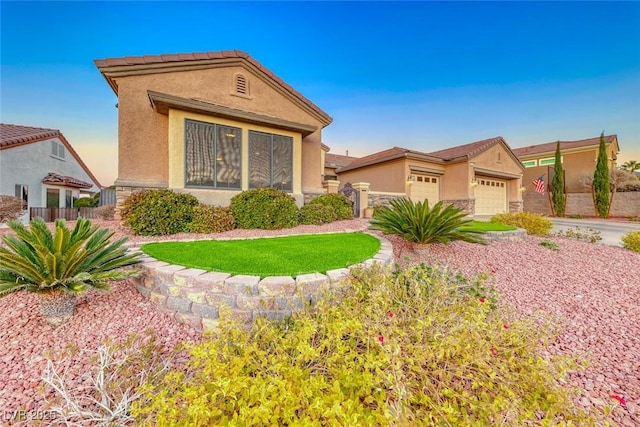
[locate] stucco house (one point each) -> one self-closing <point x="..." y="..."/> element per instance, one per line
<point x="578" y="162"/>
<point x="483" y="177"/>
<point x="213" y="124"/>
<point x="39" y="166"/>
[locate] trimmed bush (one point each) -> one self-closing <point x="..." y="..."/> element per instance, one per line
<point x="106" y="212"/>
<point x="417" y="223"/>
<point x="158" y="212"/>
<point x="87" y="202"/>
<point x="10" y="208"/>
<point x="311" y="214"/>
<point x="631" y="241"/>
<point x="265" y="208"/>
<point x="211" y="219"/>
<point x="534" y="223"/>
<point x="414" y="348"/>
<point x="340" y="204"/>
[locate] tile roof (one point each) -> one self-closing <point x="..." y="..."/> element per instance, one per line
<point x="337" y="160"/>
<point x="153" y="60"/>
<point x="11" y="135"/>
<point x="564" y="145"/>
<point x="17" y="135"/>
<point x="385" y="155"/>
<point x="68" y="181"/>
<point x="466" y="150"/>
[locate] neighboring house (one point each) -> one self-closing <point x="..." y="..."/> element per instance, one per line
<point x="213" y="124"/>
<point x="483" y="178"/>
<point x="332" y="162"/>
<point x="40" y="167"/>
<point x="579" y="164"/>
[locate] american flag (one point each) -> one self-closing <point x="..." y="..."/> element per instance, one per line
<point x="539" y="184"/>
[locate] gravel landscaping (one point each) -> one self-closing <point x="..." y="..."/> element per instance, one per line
<point x="592" y="290"/>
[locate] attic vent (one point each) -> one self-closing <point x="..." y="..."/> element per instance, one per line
<point x="242" y="85"/>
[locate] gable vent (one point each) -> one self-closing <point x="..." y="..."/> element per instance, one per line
<point x="242" y="86"/>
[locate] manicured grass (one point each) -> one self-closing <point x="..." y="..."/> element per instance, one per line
<point x="278" y="256"/>
<point x="489" y="226"/>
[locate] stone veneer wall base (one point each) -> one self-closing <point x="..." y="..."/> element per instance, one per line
<point x="196" y="297"/>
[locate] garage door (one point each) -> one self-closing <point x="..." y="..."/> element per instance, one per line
<point x="491" y="196"/>
<point x="426" y="188"/>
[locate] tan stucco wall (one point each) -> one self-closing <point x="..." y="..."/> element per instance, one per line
<point x="498" y="159"/>
<point x="143" y="134"/>
<point x="455" y="184"/>
<point x="383" y="177"/>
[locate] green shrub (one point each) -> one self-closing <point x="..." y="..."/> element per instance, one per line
<point x="340" y="204"/>
<point x="417" y="223"/>
<point x="550" y="245"/>
<point x="414" y="348"/>
<point x="87" y="202"/>
<point x="158" y="212"/>
<point x="317" y="214"/>
<point x="211" y="219"/>
<point x="631" y="240"/>
<point x="534" y="223"/>
<point x="265" y="208"/>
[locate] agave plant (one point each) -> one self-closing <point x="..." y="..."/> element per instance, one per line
<point x="63" y="264"/>
<point x="417" y="223"/>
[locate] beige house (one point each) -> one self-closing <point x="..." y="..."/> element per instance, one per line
<point x="213" y="124"/>
<point x="483" y="178"/>
<point x="578" y="162"/>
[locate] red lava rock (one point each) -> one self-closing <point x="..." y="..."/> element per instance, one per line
<point x="592" y="289"/>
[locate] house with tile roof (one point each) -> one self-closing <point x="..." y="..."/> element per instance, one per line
<point x="578" y="162"/>
<point x="483" y="177"/>
<point x="41" y="167"/>
<point x="213" y="124"/>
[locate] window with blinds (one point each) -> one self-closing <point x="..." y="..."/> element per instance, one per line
<point x="212" y="155"/>
<point x="270" y="161"/>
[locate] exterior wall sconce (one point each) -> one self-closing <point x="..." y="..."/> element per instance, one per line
<point x="522" y="189"/>
<point x="410" y="179"/>
<point x="473" y="183"/>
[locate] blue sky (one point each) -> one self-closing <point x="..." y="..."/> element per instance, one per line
<point x="420" y="75"/>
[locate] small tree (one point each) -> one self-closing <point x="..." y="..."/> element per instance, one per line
<point x="557" y="184"/>
<point x="631" y="166"/>
<point x="601" y="186"/>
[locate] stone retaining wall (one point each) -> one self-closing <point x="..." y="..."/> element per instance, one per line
<point x="195" y="297"/>
<point x="506" y="236"/>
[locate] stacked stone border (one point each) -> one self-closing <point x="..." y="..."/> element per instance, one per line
<point x="516" y="235"/>
<point x="196" y="297"/>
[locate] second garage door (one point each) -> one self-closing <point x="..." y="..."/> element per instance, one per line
<point x="425" y="187"/>
<point x="491" y="196"/>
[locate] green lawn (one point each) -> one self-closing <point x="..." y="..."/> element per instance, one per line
<point x="278" y="256"/>
<point x="489" y="226"/>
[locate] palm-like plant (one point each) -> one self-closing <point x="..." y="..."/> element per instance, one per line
<point x="417" y="223"/>
<point x="631" y="166"/>
<point x="63" y="264"/>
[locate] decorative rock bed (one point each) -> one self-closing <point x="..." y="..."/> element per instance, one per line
<point x="195" y="297"/>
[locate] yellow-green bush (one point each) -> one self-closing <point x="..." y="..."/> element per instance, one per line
<point x="631" y="240"/>
<point x="211" y="219"/>
<point x="533" y="223"/>
<point x="416" y="347"/>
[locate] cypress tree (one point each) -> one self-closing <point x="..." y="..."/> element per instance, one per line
<point x="557" y="184"/>
<point x="601" y="186"/>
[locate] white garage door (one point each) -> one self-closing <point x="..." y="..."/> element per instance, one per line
<point x="425" y="187"/>
<point x="491" y="196"/>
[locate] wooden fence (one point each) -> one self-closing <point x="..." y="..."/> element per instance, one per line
<point x="69" y="214"/>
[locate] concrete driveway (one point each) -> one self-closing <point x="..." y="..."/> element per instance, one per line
<point x="611" y="232"/>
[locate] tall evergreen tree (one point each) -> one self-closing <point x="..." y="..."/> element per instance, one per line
<point x="601" y="186"/>
<point x="557" y="184"/>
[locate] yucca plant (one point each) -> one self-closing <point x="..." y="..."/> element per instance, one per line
<point x="418" y="223"/>
<point x="63" y="264"/>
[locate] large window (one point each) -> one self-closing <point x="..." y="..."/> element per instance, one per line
<point x="270" y="161"/>
<point x="53" y="198"/>
<point x="213" y="155"/>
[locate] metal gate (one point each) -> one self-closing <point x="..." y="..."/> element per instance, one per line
<point x="354" y="197"/>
